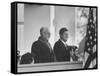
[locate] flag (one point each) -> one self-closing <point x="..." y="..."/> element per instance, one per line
<point x="91" y="41"/>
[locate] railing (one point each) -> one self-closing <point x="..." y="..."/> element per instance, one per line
<point x="49" y="66"/>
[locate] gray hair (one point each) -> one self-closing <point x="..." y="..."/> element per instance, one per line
<point x="42" y="29"/>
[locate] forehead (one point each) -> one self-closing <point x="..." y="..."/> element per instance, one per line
<point x="45" y="30"/>
<point x="65" y="32"/>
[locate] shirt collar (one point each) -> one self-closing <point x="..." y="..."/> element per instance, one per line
<point x="63" y="42"/>
<point x="42" y="39"/>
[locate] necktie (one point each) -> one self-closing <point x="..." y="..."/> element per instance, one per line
<point x="66" y="46"/>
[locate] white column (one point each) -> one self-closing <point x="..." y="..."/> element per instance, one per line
<point x="76" y="30"/>
<point x="20" y="28"/>
<point x="52" y="28"/>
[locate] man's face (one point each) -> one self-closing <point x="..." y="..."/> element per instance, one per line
<point x="46" y="33"/>
<point x="64" y="36"/>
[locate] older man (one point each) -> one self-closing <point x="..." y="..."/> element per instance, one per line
<point x="41" y="49"/>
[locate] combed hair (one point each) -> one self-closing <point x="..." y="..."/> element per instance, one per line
<point x="62" y="30"/>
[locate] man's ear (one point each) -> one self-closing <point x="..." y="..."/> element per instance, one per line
<point x="60" y="36"/>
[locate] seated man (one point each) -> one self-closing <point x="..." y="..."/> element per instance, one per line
<point x="61" y="49"/>
<point x="41" y="49"/>
<point x="26" y="58"/>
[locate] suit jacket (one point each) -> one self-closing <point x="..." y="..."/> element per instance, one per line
<point x="62" y="53"/>
<point x="41" y="52"/>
